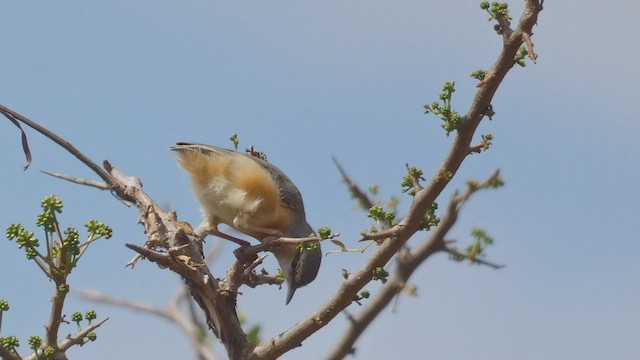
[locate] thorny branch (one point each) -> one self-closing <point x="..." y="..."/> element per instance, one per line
<point x="180" y="252"/>
<point x="423" y="199"/>
<point x="356" y="192"/>
<point x="406" y="264"/>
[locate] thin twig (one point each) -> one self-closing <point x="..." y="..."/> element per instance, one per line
<point x="92" y="183"/>
<point x="58" y="140"/>
<point x="363" y="199"/>
<point x="100" y="298"/>
<point x="474" y="259"/>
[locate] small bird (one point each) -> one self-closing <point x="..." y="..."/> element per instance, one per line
<point x="254" y="197"/>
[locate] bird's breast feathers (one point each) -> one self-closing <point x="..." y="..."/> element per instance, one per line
<point x="236" y="190"/>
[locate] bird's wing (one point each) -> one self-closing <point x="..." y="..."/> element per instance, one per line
<point x="289" y="193"/>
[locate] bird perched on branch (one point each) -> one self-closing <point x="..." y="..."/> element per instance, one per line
<point x="256" y="198"/>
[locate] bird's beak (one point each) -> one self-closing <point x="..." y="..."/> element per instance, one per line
<point x="291" y="290"/>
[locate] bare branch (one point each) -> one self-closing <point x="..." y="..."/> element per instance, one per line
<point x="363" y="199"/>
<point x="92" y="183"/>
<point x="172" y="313"/>
<point x="527" y="40"/>
<point x="12" y="115"/>
<point x="100" y="298"/>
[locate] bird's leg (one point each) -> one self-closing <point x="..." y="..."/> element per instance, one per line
<point x="213" y="230"/>
<point x="242" y="223"/>
<point x="243" y="243"/>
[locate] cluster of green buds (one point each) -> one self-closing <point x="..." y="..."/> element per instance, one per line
<point x="62" y="251"/>
<point x="409" y="181"/>
<point x="379" y="273"/>
<point x="478" y="246"/>
<point x="479" y="74"/>
<point x="520" y="56"/>
<point x="235" y="140"/>
<point x="430" y="218"/>
<point x="324" y="232"/>
<point x="364" y="294"/>
<point x="497" y="11"/>
<point x="443" y="109"/>
<point x="495" y="8"/>
<point x="486" y="141"/>
<point x="384" y="219"/>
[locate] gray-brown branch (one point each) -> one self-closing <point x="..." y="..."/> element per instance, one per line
<point x="423" y="199"/>
<point x="406" y="264"/>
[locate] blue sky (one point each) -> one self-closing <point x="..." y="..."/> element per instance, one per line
<point x="302" y="81"/>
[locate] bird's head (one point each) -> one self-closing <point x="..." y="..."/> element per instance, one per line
<point x="299" y="263"/>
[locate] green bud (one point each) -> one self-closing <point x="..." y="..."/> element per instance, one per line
<point x="47" y="221"/>
<point x="345" y="274"/>
<point x="49" y="351"/>
<point x="14" y="230"/>
<point x="235" y="141"/>
<point x="389" y="215"/>
<point x="76" y="316"/>
<point x="10" y="342"/>
<point x="324" y="232"/>
<point x="92" y="336"/>
<point x="310" y="246"/>
<point x="27" y="239"/>
<point x="71" y="240"/>
<point x="376" y="212"/>
<point x="51" y="203"/>
<point x="4" y="305"/>
<point x="379" y="273"/>
<point x="449" y="86"/>
<point x="496" y="183"/>
<point x="31" y="253"/>
<point x="479" y="74"/>
<point x="63" y="288"/>
<point x="99" y="228"/>
<point x="90" y="315"/>
<point x="34" y="342"/>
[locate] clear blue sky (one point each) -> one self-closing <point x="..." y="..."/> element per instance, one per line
<point x="123" y="80"/>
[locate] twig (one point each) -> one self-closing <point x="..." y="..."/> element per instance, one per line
<point x="474" y="259"/>
<point x="12" y="115"/>
<point x="78" y="338"/>
<point x="100" y="298"/>
<point x="92" y="183"/>
<point x="355" y="191"/>
<point x="172" y="313"/>
<point x="527" y="40"/>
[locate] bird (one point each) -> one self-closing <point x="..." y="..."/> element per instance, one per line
<point x="256" y="198"/>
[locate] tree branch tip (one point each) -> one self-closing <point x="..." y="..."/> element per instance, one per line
<point x="92" y="183"/>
